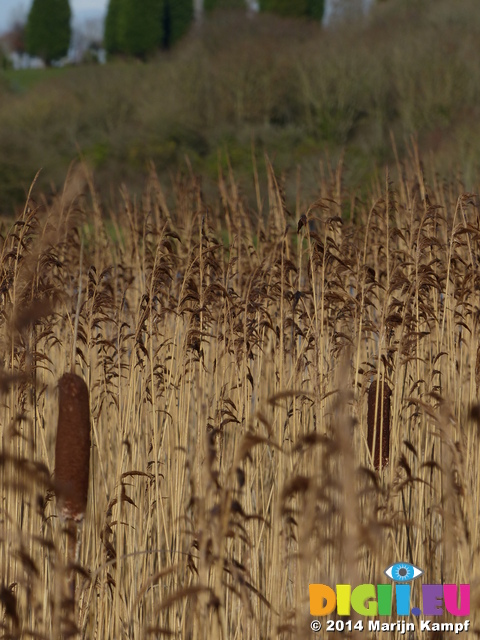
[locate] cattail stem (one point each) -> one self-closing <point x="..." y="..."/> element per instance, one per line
<point x="77" y="311"/>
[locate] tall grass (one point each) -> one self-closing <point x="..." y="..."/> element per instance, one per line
<point x="229" y="357"/>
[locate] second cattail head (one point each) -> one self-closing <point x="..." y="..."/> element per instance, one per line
<point x="378" y="422"/>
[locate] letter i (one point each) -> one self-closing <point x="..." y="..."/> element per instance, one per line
<point x="384" y="597"/>
<point x="402" y="594"/>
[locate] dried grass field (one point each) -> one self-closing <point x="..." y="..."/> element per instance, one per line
<point x="229" y="352"/>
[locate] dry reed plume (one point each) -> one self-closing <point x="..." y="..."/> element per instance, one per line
<point x="239" y="447"/>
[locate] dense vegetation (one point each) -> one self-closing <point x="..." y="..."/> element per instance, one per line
<point x="302" y="93"/>
<point x="232" y="357"/>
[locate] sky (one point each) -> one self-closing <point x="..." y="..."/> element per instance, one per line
<point x="81" y="9"/>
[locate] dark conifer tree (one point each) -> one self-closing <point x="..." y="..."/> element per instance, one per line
<point x="112" y="29"/>
<point x="178" y="17"/>
<point x="210" y="5"/>
<point x="48" y="30"/>
<point x="300" y="8"/>
<point x="141" y="29"/>
<point x="138" y="29"/>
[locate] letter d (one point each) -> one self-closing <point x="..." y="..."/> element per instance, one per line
<point x="322" y="599"/>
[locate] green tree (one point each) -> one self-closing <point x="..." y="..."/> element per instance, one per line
<point x="112" y="30"/>
<point x="140" y="26"/>
<point x="300" y="8"/>
<point x="178" y="17"/>
<point x="316" y="9"/>
<point x="138" y="29"/>
<point x="210" y="5"/>
<point x="48" y="29"/>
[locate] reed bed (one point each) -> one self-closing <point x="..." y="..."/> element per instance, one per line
<point x="230" y="355"/>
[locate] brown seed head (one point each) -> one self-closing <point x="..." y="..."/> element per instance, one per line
<point x="378" y="436"/>
<point x="72" y="450"/>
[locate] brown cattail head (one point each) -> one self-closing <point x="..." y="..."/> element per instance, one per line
<point x="72" y="450"/>
<point x="378" y="437"/>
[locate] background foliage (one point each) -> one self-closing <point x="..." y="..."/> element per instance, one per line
<point x="301" y="8"/>
<point x="209" y="5"/>
<point x="302" y="93"/>
<point x="140" y="30"/>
